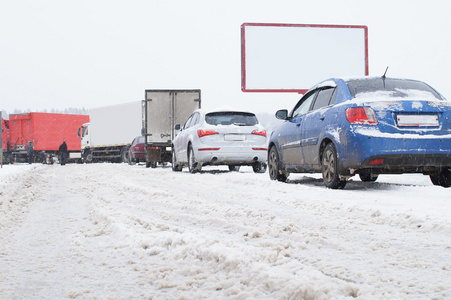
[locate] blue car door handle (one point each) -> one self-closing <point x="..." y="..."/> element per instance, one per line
<point x="299" y="124"/>
<point x="321" y="118"/>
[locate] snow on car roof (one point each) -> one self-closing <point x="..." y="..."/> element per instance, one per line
<point x="223" y="109"/>
<point x="327" y="83"/>
<point x="399" y="94"/>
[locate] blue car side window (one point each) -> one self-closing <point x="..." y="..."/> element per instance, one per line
<point x="334" y="97"/>
<point x="303" y="106"/>
<point x="323" y="98"/>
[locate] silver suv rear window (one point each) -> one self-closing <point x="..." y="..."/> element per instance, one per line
<point x="231" y="118"/>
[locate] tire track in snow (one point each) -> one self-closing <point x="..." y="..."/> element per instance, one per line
<point x="207" y="227"/>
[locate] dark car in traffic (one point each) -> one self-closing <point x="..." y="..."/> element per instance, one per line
<point x="137" y="151"/>
<point x="366" y="126"/>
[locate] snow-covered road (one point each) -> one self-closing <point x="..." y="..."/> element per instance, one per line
<point x="114" y="231"/>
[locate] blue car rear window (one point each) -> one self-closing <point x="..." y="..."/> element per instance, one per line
<point x="231" y="118"/>
<point x="395" y="88"/>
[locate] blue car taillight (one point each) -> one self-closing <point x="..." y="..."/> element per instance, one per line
<point x="361" y="115"/>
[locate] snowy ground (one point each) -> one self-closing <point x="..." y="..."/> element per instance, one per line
<point x="114" y="231"/>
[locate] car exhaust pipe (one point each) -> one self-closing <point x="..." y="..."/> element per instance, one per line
<point x="214" y="159"/>
<point x="256" y="158"/>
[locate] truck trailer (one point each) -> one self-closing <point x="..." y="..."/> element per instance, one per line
<point x="45" y="132"/>
<point x="110" y="132"/>
<point x="162" y="109"/>
<point x="4" y="142"/>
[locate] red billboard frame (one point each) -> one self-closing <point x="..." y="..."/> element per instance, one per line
<point x="300" y="91"/>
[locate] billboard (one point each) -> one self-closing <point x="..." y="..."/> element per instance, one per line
<point x="294" y="57"/>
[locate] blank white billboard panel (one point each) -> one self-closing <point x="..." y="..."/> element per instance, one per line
<point x="294" y="57"/>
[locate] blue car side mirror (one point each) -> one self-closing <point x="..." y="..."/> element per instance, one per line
<point x="282" y="114"/>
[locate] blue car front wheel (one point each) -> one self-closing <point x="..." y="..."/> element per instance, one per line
<point x="274" y="166"/>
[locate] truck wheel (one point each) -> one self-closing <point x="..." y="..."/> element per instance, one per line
<point x="42" y="158"/>
<point x="9" y="159"/>
<point x="233" y="168"/>
<point x="175" y="167"/>
<point x="193" y="165"/>
<point x="124" y="154"/>
<point x="259" y="167"/>
<point x="87" y="157"/>
<point x="151" y="164"/>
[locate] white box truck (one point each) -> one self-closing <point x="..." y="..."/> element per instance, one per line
<point x="110" y="132"/>
<point x="162" y="109"/>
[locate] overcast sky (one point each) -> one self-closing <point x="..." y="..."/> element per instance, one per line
<point x="88" y="53"/>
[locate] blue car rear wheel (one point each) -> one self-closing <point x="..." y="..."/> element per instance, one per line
<point x="331" y="176"/>
<point x="443" y="178"/>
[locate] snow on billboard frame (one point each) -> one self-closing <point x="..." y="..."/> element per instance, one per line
<point x="274" y="58"/>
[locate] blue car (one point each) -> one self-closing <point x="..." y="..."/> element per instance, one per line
<point x="366" y="126"/>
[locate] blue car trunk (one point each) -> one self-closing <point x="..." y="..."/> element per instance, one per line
<point x="413" y="117"/>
